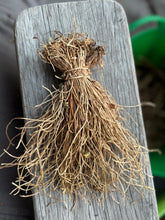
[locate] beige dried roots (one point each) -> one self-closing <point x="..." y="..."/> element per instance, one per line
<point x="78" y="144"/>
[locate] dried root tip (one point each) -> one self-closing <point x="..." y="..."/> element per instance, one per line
<point x="71" y="54"/>
<point x="78" y="144"/>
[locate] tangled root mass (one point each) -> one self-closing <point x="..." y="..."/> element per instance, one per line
<point x="78" y="143"/>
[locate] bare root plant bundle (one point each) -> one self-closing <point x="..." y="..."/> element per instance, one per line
<point x="79" y="143"/>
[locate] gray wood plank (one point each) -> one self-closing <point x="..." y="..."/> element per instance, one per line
<point x="106" y="22"/>
<point x="60" y="1"/>
<point x="134" y="9"/>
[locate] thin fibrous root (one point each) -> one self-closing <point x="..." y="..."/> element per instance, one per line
<point x="78" y="144"/>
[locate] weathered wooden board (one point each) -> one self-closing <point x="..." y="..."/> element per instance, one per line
<point x="106" y="22"/>
<point x="135" y="9"/>
<point x="60" y="1"/>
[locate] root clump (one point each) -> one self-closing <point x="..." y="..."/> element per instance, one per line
<point x="78" y="144"/>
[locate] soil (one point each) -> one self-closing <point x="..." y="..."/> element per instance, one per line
<point x="151" y="80"/>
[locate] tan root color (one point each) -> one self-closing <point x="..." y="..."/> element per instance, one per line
<point x="78" y="144"/>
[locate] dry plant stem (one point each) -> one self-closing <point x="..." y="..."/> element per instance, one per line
<point x="78" y="144"/>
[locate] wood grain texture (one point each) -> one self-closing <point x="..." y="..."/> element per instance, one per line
<point x="60" y="1"/>
<point x="105" y="21"/>
<point x="134" y="9"/>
